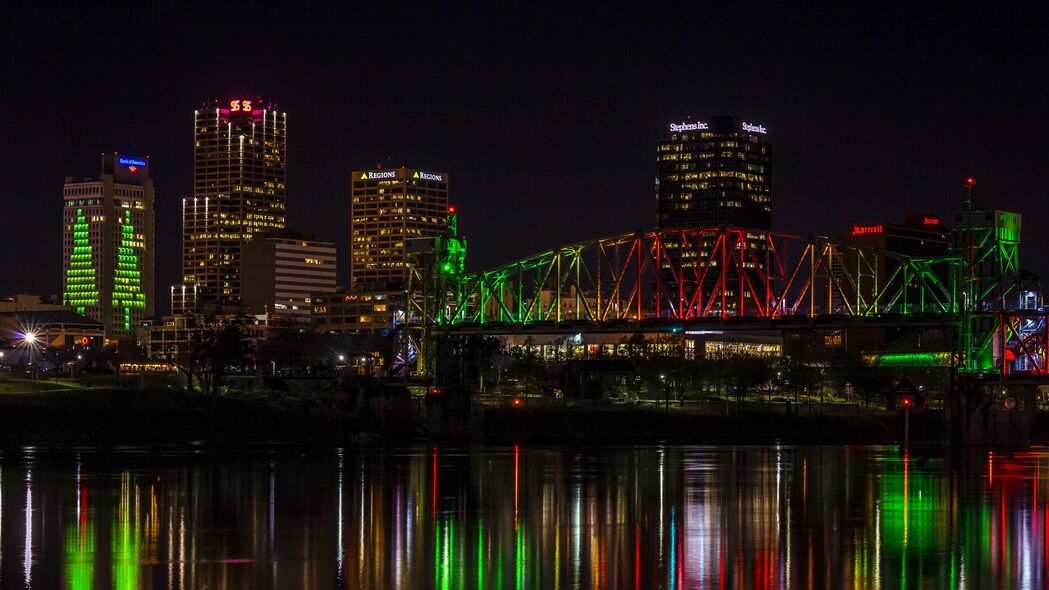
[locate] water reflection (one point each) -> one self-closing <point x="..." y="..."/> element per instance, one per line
<point x="518" y="517"/>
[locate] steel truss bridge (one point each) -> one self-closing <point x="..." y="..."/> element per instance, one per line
<point x="736" y="278"/>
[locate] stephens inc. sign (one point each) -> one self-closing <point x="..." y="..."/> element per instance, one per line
<point x="697" y="126"/>
<point x="754" y="128"/>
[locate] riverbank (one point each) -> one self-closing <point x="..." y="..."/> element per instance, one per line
<point x="133" y="415"/>
<point x="646" y="425"/>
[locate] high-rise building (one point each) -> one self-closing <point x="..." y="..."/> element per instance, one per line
<point x="108" y="233"/>
<point x="240" y="146"/>
<point x="714" y="171"/>
<point x="282" y="270"/>
<point x="388" y="207"/>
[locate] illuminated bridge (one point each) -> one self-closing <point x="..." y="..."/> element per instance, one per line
<point x="677" y="279"/>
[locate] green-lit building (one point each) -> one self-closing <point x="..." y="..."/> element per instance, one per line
<point x="107" y="245"/>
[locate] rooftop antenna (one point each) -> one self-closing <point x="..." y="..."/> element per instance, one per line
<point x="970" y="190"/>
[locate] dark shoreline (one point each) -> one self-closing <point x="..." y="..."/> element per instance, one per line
<point x="651" y="425"/>
<point x="141" y="416"/>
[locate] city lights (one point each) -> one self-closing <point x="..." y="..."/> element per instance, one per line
<point x="683" y="352"/>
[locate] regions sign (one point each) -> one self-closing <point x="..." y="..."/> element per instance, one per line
<point x="378" y="175"/>
<point x="428" y="176"/>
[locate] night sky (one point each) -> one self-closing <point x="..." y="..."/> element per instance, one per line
<point x="546" y="118"/>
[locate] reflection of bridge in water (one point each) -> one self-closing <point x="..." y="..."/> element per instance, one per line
<point x="741" y="279"/>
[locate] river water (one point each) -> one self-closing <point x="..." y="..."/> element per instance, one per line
<point x="522" y="517"/>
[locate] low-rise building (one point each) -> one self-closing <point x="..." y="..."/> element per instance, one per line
<point x="55" y="327"/>
<point x="367" y="312"/>
<point x="21" y="302"/>
<point x="169" y="337"/>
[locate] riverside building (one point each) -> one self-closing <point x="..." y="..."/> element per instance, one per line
<point x="108" y="245"/>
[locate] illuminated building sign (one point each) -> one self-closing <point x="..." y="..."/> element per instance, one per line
<point x="428" y="176"/>
<point x="697" y="126"/>
<point x="931" y="221"/>
<point x="239" y="105"/>
<point x="379" y="174"/>
<point x="754" y="128"/>
<point x="862" y="230"/>
<point x="132" y="164"/>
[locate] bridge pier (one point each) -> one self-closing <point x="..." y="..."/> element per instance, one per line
<point x="993" y="414"/>
<point x="449" y="413"/>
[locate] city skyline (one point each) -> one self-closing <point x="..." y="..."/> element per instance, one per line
<point x="481" y="295"/>
<point x="540" y="121"/>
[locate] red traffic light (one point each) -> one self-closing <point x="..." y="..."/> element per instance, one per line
<point x="906" y="401"/>
<point x="517" y="402"/>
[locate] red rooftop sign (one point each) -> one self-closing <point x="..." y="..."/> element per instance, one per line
<point x="862" y="230"/>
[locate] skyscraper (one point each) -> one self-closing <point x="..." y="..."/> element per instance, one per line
<point x="240" y="146"/>
<point x="108" y="237"/>
<point x="388" y="207"/>
<point x="714" y="171"/>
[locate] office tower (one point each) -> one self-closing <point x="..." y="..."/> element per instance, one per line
<point x="240" y="146"/>
<point x="388" y="207"/>
<point x="714" y="171"/>
<point x="108" y="237"/>
<point x="281" y="270"/>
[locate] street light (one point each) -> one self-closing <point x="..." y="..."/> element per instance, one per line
<point x="666" y="393"/>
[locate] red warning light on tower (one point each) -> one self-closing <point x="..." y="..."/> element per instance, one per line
<point x="970" y="180"/>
